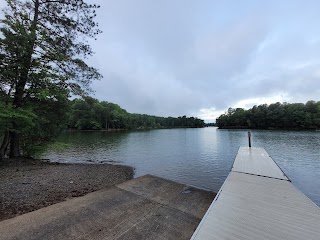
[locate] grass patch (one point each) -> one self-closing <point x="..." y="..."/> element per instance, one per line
<point x="58" y="146"/>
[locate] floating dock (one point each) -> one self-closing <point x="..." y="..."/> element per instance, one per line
<point x="258" y="201"/>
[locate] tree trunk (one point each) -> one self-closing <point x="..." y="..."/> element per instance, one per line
<point x="20" y="86"/>
<point x="4" y="145"/>
<point x="14" y="145"/>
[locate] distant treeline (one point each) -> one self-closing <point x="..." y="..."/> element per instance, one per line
<point x="273" y="116"/>
<point x="90" y="114"/>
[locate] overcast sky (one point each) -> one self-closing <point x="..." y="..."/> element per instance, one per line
<point x="185" y="57"/>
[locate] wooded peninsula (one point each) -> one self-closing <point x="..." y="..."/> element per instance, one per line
<point x="290" y="116"/>
<point x="90" y="114"/>
<point x="43" y="120"/>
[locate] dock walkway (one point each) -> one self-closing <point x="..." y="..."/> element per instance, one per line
<point x="258" y="201"/>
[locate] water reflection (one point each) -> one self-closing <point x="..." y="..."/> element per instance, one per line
<point x="88" y="147"/>
<point x="198" y="157"/>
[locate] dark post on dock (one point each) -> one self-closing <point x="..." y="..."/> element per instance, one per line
<point x="249" y="138"/>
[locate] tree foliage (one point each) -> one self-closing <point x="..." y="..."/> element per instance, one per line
<point x="90" y="114"/>
<point x="273" y="116"/>
<point x="43" y="45"/>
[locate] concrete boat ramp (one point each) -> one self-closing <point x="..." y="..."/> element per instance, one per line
<point x="147" y="207"/>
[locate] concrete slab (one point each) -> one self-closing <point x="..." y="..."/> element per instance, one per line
<point x="144" y="208"/>
<point x="182" y="197"/>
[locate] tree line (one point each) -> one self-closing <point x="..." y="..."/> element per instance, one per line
<point x="274" y="116"/>
<point x="39" y="122"/>
<point x="91" y="114"/>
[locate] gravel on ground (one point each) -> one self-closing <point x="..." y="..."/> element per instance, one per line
<point x="27" y="185"/>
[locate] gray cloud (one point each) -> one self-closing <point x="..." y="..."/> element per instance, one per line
<point x="177" y="57"/>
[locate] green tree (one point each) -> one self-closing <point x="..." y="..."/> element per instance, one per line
<point x="275" y="116"/>
<point x="42" y="45"/>
<point x="90" y="114"/>
<point x="85" y="114"/>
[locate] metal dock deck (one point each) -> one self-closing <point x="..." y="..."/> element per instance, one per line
<point x="257" y="201"/>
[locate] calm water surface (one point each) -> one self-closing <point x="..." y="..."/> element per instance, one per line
<point x="197" y="157"/>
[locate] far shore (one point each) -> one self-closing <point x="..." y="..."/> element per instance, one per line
<point x="270" y="128"/>
<point x="27" y="184"/>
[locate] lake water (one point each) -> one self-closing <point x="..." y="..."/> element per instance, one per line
<point x="197" y="157"/>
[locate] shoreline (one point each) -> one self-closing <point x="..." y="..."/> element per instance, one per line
<point x="126" y="129"/>
<point x="27" y="184"/>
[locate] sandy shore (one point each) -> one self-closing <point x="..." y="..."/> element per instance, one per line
<point x="32" y="184"/>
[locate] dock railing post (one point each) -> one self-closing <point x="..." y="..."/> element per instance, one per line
<point x="249" y="138"/>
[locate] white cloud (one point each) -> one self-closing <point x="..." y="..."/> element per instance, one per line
<point x="201" y="57"/>
<point x="250" y="102"/>
<point x="209" y="114"/>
